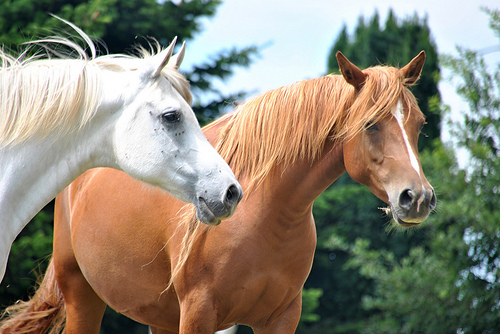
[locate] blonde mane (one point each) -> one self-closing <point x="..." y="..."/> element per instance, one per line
<point x="45" y="95"/>
<point x="294" y="122"/>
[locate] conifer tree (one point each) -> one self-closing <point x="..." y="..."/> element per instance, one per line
<point x="452" y="285"/>
<point x="119" y="25"/>
<point x="348" y="211"/>
<point x="395" y="44"/>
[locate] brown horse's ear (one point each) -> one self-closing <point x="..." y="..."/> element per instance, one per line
<point x="351" y="73"/>
<point x="411" y="72"/>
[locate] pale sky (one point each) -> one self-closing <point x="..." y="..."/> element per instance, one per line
<point x="299" y="35"/>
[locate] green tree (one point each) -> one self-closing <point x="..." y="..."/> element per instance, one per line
<point x="452" y="285"/>
<point x="396" y="44"/>
<point x="119" y="25"/>
<point x="348" y="211"/>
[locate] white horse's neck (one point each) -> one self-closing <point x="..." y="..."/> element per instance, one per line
<point x="41" y="170"/>
<point x="32" y="173"/>
<point x="143" y="125"/>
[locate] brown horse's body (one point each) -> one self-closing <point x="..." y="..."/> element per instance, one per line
<point x="250" y="270"/>
<point x="261" y="281"/>
<point x="117" y="241"/>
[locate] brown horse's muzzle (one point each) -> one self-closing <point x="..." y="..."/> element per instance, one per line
<point x="413" y="205"/>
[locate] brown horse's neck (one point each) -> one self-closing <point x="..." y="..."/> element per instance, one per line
<point x="299" y="184"/>
<point x="302" y="182"/>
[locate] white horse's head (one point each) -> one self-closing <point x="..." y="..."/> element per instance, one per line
<point x="157" y="138"/>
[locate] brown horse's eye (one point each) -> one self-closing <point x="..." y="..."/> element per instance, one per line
<point x="371" y="126"/>
<point x="421" y="132"/>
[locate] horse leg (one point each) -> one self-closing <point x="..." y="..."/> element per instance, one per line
<point x="154" y="330"/>
<point x="230" y="330"/>
<point x="84" y="309"/>
<point x="198" y="314"/>
<point x="287" y="321"/>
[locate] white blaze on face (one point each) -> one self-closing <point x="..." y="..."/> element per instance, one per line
<point x="399" y="116"/>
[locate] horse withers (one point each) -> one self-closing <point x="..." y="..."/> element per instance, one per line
<point x="60" y="117"/>
<point x="143" y="253"/>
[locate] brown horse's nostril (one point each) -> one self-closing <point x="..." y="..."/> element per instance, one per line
<point x="406" y="199"/>
<point x="432" y="204"/>
<point x="414" y="200"/>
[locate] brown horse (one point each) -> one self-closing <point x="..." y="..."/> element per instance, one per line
<point x="117" y="241"/>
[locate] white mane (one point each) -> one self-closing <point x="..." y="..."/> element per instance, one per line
<point x="42" y="95"/>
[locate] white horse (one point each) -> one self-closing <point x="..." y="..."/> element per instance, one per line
<point x="60" y="117"/>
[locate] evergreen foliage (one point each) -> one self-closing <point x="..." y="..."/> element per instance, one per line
<point x="441" y="278"/>
<point x="395" y="44"/>
<point x="118" y="25"/>
<point x="122" y="24"/>
<point x="347" y="211"/>
<point x="444" y="277"/>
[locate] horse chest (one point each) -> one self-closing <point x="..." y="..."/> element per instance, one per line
<point x="266" y="272"/>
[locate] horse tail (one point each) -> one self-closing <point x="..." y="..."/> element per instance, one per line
<point x="45" y="312"/>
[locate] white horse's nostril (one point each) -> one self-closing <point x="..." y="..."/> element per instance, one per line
<point x="233" y="195"/>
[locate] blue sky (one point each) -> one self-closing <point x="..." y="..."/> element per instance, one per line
<point x="299" y="35"/>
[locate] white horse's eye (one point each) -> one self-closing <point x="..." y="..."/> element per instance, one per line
<point x="172" y="116"/>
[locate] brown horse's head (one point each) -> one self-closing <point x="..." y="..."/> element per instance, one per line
<point x="383" y="153"/>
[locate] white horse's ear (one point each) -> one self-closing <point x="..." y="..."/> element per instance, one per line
<point x="176" y="60"/>
<point x="161" y="60"/>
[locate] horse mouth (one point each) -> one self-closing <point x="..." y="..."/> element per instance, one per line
<point x="398" y="220"/>
<point x="204" y="214"/>
<point x="405" y="224"/>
